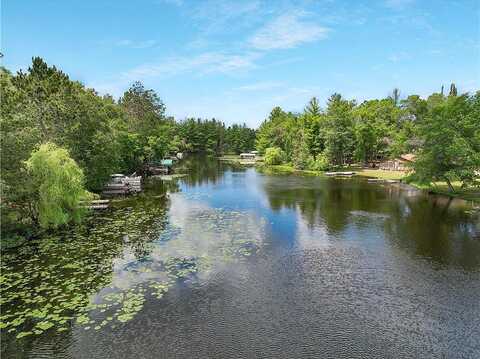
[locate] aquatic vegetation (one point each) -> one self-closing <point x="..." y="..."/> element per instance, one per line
<point x="45" y="284"/>
<point x="101" y="273"/>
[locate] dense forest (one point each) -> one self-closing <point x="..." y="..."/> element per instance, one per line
<point x="61" y="141"/>
<point x="443" y="131"/>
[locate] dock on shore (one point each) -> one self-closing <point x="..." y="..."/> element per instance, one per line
<point x="340" y="174"/>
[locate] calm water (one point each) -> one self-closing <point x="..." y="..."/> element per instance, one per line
<point x="242" y="264"/>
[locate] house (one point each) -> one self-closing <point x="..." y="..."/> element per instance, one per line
<point x="402" y="163"/>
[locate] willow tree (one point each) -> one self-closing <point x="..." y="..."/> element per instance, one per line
<point x="56" y="187"/>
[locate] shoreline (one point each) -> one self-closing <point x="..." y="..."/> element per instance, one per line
<point x="470" y="194"/>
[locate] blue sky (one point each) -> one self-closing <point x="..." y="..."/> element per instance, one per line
<point x="236" y="60"/>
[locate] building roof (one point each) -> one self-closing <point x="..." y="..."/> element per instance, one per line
<point x="166" y="162"/>
<point x="410" y="157"/>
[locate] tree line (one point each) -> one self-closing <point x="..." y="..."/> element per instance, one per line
<point x="61" y="141"/>
<point x="443" y="131"/>
<point x="55" y="129"/>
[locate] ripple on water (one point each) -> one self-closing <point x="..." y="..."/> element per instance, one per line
<point x="335" y="302"/>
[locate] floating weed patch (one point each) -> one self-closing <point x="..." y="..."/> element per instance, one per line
<point x="46" y="284"/>
<point x="100" y="274"/>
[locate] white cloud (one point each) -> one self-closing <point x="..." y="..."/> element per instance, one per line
<point x="136" y="44"/>
<point x="287" y="31"/>
<point x="209" y="62"/>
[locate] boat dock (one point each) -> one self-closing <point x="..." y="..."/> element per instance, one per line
<point x="340" y="174"/>
<point x="96" y="204"/>
<point x="122" y="185"/>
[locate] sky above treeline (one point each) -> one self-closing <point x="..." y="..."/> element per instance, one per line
<point x="235" y="60"/>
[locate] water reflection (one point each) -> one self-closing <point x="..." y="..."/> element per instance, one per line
<point x="434" y="227"/>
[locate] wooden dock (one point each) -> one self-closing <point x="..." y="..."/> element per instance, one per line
<point x="123" y="185"/>
<point x="96" y="204"/>
<point x="381" y="180"/>
<point x="340" y="174"/>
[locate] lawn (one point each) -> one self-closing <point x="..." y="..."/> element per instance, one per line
<point x="382" y="174"/>
<point x="469" y="194"/>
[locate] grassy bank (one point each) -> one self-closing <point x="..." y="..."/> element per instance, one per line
<point x="371" y="173"/>
<point x="469" y="194"/>
<point x="236" y="159"/>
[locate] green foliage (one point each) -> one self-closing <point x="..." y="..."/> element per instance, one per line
<point x="301" y="158"/>
<point x="56" y="186"/>
<point x="313" y="108"/>
<point x="278" y="131"/>
<point x="339" y="130"/>
<point x="274" y="156"/>
<point x="451" y="149"/>
<point x="320" y="163"/>
<point x="239" y="139"/>
<point x="51" y="107"/>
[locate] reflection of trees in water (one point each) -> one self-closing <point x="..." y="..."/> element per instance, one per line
<point x="155" y="187"/>
<point x="435" y="228"/>
<point x="324" y="201"/>
<point x="202" y="169"/>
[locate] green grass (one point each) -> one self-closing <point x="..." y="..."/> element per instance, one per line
<point x="236" y="159"/>
<point x="469" y="194"/>
<point x="387" y="175"/>
<point x="381" y="174"/>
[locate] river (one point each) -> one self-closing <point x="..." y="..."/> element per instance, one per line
<point x="237" y="263"/>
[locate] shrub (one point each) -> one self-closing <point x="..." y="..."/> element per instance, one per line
<point x="321" y="163"/>
<point x="274" y="156"/>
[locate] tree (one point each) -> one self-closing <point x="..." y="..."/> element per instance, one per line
<point x="301" y="158"/>
<point x="453" y="90"/>
<point x="145" y="116"/>
<point x="56" y="187"/>
<point x="277" y="131"/>
<point x="143" y="107"/>
<point x="313" y="108"/>
<point x="451" y="149"/>
<point x="395" y="96"/>
<point x="339" y="129"/>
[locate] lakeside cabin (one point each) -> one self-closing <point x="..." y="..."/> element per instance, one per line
<point x="401" y="163"/>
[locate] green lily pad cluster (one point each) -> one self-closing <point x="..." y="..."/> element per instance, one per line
<point x="100" y="274"/>
<point x="47" y="283"/>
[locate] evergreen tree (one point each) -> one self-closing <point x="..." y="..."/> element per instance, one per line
<point x="453" y="90"/>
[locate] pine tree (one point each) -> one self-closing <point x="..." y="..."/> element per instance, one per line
<point x="453" y="90"/>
